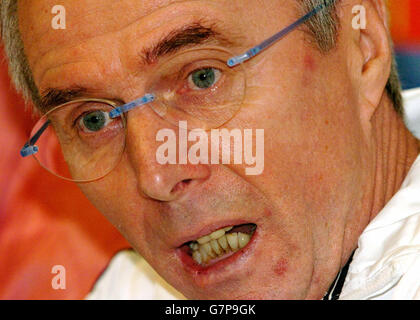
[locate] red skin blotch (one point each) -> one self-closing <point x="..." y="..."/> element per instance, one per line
<point x="281" y="267"/>
<point x="309" y="67"/>
<point x="309" y="62"/>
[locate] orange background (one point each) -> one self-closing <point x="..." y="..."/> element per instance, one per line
<point x="405" y="21"/>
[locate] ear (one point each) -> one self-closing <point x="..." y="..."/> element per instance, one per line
<point x="374" y="45"/>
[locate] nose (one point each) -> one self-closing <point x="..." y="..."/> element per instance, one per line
<point x="170" y="183"/>
<point x="163" y="182"/>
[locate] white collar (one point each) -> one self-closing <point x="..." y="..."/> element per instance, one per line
<point x="391" y="241"/>
<point x="412" y="111"/>
<point x="389" y="244"/>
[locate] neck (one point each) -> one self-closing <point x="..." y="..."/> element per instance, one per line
<point x="396" y="150"/>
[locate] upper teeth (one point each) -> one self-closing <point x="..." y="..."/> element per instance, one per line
<point x="218" y="243"/>
<point x="214" y="235"/>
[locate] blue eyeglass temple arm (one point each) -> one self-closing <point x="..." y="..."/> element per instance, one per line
<point x="270" y="41"/>
<point x="133" y="104"/>
<point x="30" y="148"/>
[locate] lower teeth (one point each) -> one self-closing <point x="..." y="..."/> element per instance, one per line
<point x="215" y="248"/>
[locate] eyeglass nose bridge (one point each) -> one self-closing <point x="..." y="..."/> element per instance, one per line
<point x="147" y="98"/>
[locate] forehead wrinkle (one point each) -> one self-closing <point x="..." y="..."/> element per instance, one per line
<point x="60" y="53"/>
<point x="89" y="14"/>
<point x="44" y="35"/>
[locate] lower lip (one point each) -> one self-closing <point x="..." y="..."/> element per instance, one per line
<point x="196" y="269"/>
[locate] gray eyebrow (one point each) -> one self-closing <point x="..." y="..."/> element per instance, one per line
<point x="53" y="97"/>
<point x="192" y="34"/>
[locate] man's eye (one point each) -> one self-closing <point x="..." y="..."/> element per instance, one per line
<point x="94" y="121"/>
<point x="203" y="78"/>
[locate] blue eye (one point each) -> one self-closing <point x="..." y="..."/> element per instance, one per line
<point x="94" y="121"/>
<point x="204" y="78"/>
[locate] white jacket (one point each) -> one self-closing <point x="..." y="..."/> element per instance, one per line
<point x="386" y="264"/>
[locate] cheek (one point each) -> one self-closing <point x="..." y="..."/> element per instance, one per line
<point x="113" y="196"/>
<point x="281" y="267"/>
<point x="309" y="68"/>
<point x="103" y="199"/>
<point x="309" y="63"/>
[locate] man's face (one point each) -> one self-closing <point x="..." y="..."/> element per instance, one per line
<point x="307" y="201"/>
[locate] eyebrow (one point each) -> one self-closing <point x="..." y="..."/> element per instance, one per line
<point x="192" y="34"/>
<point x="53" y="97"/>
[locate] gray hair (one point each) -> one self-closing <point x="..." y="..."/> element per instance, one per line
<point x="323" y="28"/>
<point x="19" y="70"/>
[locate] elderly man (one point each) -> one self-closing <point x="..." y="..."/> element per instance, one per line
<point x="120" y="79"/>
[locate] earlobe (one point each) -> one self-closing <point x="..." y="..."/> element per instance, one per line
<point x="376" y="51"/>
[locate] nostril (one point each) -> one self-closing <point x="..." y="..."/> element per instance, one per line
<point x="180" y="186"/>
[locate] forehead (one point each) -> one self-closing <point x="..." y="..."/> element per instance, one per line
<point x="125" y="21"/>
<point x="36" y="15"/>
<point x="84" y="19"/>
<point x="89" y="18"/>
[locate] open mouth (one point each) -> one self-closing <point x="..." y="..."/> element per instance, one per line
<point x="220" y="244"/>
